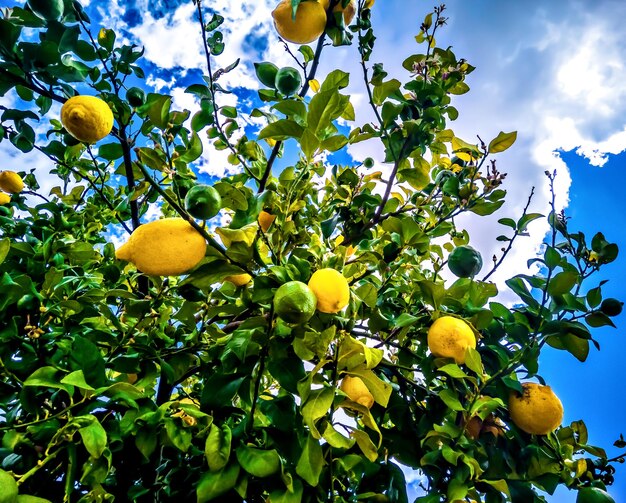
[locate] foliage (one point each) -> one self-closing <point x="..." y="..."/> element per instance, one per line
<point x="120" y="386"/>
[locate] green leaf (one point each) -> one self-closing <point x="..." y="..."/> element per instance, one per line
<point x="526" y="219"/>
<point x="77" y="378"/>
<point x="337" y="79"/>
<point x="178" y="434"/>
<point x="569" y="342"/>
<point x="502" y="142"/>
<point x="451" y="400"/>
<point x="106" y="38"/>
<point x="311" y="461"/>
<point x="5" y="246"/>
<point x="552" y="257"/>
<point x="453" y="370"/>
<point x="384" y="90"/>
<point x="281" y="130"/>
<point x="194" y="150"/>
<point x="316" y="406"/>
<point x="599" y="320"/>
<point x="94" y="438"/>
<point x="258" y="462"/>
<point x="562" y="283"/>
<point x="47" y="377"/>
<point x="110" y="151"/>
<point x="217" y="447"/>
<point x="157" y="108"/>
<point x="365" y="443"/>
<point x="309" y="143"/>
<point x="214" y="484"/>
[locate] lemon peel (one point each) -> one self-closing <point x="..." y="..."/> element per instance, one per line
<point x="87" y="118"/>
<point x="537" y="410"/>
<point x="265" y="220"/>
<point x="331" y="289"/>
<point x="239" y="279"/>
<point x="449" y="337"/>
<point x="11" y="182"/>
<point x="308" y="25"/>
<point x="357" y="391"/>
<point x="166" y="247"/>
<point x="4" y="198"/>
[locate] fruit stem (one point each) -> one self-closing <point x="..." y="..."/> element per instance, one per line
<point x="515" y="234"/>
<point x="301" y="94"/>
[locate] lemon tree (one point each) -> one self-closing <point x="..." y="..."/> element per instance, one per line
<point x="303" y="346"/>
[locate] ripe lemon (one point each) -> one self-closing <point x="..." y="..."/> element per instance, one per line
<point x="265" y="220"/>
<point x="4" y="198"/>
<point x="331" y="289"/>
<point x="166" y="247"/>
<point x="294" y="302"/>
<point x="357" y="391"/>
<point x="239" y="279"/>
<point x="449" y="337"/>
<point x="537" y="410"/>
<point x="11" y="182"/>
<point x="308" y="25"/>
<point x="87" y="118"/>
<point x="203" y="202"/>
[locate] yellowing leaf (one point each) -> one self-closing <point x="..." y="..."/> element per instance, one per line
<point x="380" y="390"/>
<point x="365" y="444"/>
<point x="246" y="234"/>
<point x="314" y="85"/>
<point x="502" y="142"/>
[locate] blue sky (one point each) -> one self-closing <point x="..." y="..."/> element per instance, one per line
<point x="553" y="71"/>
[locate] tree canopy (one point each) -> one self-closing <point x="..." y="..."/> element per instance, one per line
<point x="201" y="385"/>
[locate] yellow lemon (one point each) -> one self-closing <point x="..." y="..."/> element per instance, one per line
<point x="166" y="247"/>
<point x="266" y="220"/>
<point x="537" y="410"/>
<point x="239" y="279"/>
<point x="357" y="391"/>
<point x="4" y="198"/>
<point x="308" y="25"/>
<point x="449" y="337"/>
<point x="11" y="182"/>
<point x="331" y="289"/>
<point x="87" y="118"/>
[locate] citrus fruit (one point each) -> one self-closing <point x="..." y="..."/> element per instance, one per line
<point x="308" y="25"/>
<point x="266" y="73"/>
<point x="357" y="391"/>
<point x="50" y="10"/>
<point x="288" y="80"/>
<point x="87" y="118"/>
<point x="27" y="498"/>
<point x="4" y="198"/>
<point x="449" y="337"/>
<point x="11" y="182"/>
<point x="593" y="495"/>
<point x="265" y="220"/>
<point x="203" y="202"/>
<point x="537" y="410"/>
<point x="239" y="279"/>
<point x="166" y="247"/>
<point x="8" y="488"/>
<point x="294" y="302"/>
<point x="611" y="307"/>
<point x="331" y="289"/>
<point x="135" y="96"/>
<point x="465" y="262"/>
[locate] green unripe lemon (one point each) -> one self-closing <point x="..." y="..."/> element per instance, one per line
<point x="295" y="302"/>
<point x="8" y="488"/>
<point x="611" y="307"/>
<point x="50" y="10"/>
<point x="593" y="495"/>
<point x="465" y="262"/>
<point x="135" y="96"/>
<point x="27" y="498"/>
<point x="288" y="80"/>
<point x="203" y="202"/>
